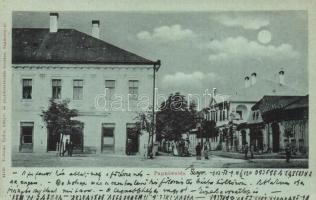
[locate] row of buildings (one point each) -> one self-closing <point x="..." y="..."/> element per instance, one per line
<point x="265" y="114"/>
<point x="53" y="63"/>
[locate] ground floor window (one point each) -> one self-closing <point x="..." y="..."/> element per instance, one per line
<point x="107" y="140"/>
<point x="26" y="133"/>
<point x="132" y="139"/>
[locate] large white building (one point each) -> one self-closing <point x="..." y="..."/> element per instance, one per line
<point x="68" y="64"/>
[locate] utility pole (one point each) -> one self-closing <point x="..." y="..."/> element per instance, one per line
<point x="155" y="69"/>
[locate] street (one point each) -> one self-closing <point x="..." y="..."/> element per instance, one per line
<point x="99" y="160"/>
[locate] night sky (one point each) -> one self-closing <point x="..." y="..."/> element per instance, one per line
<point x="201" y="50"/>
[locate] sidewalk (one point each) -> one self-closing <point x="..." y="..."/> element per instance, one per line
<point x="238" y="155"/>
<point x="112" y="160"/>
<point x="270" y="163"/>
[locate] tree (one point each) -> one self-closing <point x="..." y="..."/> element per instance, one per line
<point x="58" y="119"/>
<point x="209" y="129"/>
<point x="175" y="117"/>
<point x="144" y="122"/>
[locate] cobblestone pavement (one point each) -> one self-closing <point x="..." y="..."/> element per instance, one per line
<point x="101" y="160"/>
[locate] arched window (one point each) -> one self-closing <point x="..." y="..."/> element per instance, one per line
<point x="242" y="111"/>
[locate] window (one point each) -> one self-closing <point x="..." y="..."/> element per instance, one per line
<point x="56" y="88"/>
<point x="107" y="142"/>
<point x="26" y="136"/>
<point x="239" y="112"/>
<point x="133" y="88"/>
<point x="27" y="89"/>
<point x="78" y="90"/>
<point x="27" y="132"/>
<point x="110" y="88"/>
<point x="257" y="115"/>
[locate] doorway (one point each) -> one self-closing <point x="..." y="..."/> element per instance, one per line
<point x="132" y="139"/>
<point x="76" y="138"/>
<point x="53" y="140"/>
<point x="276" y="137"/>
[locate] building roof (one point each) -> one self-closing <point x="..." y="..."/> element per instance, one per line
<point x="33" y="45"/>
<point x="263" y="87"/>
<point x="269" y="103"/>
<point x="276" y="108"/>
<point x="301" y="103"/>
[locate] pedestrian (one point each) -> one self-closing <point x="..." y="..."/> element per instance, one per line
<point x="198" y="150"/>
<point x="70" y="148"/>
<point x="66" y="149"/>
<point x="246" y="150"/>
<point x="288" y="152"/>
<point x="252" y="149"/>
<point x="205" y="152"/>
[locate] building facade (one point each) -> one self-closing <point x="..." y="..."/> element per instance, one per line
<point x="232" y="112"/>
<point x="106" y="84"/>
<point x="284" y="120"/>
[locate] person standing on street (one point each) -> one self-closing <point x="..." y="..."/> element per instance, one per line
<point x="205" y="152"/>
<point x="252" y="149"/>
<point x="246" y="151"/>
<point x="198" y="150"/>
<point x="70" y="148"/>
<point x="288" y="152"/>
<point x="66" y="147"/>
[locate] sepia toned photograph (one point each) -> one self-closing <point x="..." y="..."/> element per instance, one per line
<point x="160" y="89"/>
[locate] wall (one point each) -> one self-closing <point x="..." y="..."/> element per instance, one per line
<point x="94" y="77"/>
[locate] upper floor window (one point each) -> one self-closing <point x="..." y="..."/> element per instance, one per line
<point x="56" y="88"/>
<point x="78" y="90"/>
<point x="27" y="89"/>
<point x="239" y="112"/>
<point x="133" y="88"/>
<point x="110" y="88"/>
<point x="257" y="115"/>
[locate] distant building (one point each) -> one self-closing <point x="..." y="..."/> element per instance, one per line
<point x="68" y="64"/>
<point x="231" y="111"/>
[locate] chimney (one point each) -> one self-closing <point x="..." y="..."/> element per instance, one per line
<point x="247" y="83"/>
<point x="281" y="77"/>
<point x="95" y="32"/>
<point x="214" y="92"/>
<point x="53" y="22"/>
<point x="253" y="78"/>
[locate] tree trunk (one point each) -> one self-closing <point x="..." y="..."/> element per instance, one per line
<point x="61" y="144"/>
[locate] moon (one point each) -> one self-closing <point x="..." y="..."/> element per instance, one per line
<point x="264" y="36"/>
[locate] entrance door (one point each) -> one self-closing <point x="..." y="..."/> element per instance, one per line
<point x="132" y="139"/>
<point x="276" y="137"/>
<point x="76" y="138"/>
<point x="107" y="139"/>
<point x="26" y="136"/>
<point x="53" y="140"/>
